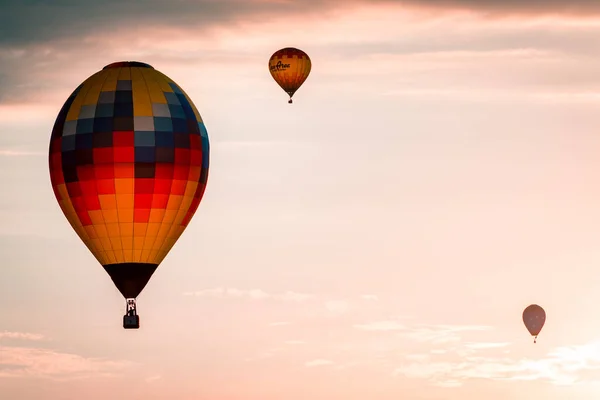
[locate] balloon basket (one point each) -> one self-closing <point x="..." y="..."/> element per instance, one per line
<point x="131" y="320"/>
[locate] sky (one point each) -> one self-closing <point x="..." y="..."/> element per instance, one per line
<point x="378" y="239"/>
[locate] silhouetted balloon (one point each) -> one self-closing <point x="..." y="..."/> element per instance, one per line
<point x="128" y="160"/>
<point x="290" y="68"/>
<point x="534" y="318"/>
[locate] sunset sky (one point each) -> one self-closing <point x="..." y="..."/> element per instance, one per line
<point x="379" y="239"/>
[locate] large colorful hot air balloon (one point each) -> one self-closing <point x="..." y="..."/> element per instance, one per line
<point x="290" y="68"/>
<point x="534" y="318"/>
<point x="128" y="159"/>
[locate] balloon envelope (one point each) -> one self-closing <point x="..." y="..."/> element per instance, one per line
<point x="534" y="318"/>
<point x="128" y="158"/>
<point x="289" y="67"/>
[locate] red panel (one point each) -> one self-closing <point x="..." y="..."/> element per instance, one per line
<point x="182" y="156"/>
<point x="84" y="218"/>
<point x="196" y="157"/>
<point x="73" y="189"/>
<point x="78" y="204"/>
<point x="160" y="201"/>
<point x="178" y="187"/>
<point x="143" y="201"/>
<point x="164" y="171"/>
<point x="144" y="185"/>
<point x="92" y="202"/>
<point x="106" y="186"/>
<point x="104" y="171"/>
<point x="195" y="142"/>
<point x="124" y="154"/>
<point x="123" y="139"/>
<point x="141" y="215"/>
<point x="181" y="172"/>
<point x="124" y="170"/>
<point x="103" y="155"/>
<point x="162" y="186"/>
<point x="88" y="188"/>
<point x="194" y="175"/>
<point x="86" y="173"/>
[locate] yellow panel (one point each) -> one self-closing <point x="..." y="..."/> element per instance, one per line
<point x="196" y="113"/>
<point x="110" y="84"/>
<point x="145" y="256"/>
<point x="110" y="256"/>
<point x="137" y="256"/>
<point x="92" y="96"/>
<point x="96" y="217"/>
<point x="124" y="186"/>
<point x="153" y="257"/>
<point x="164" y="85"/>
<point x="110" y="216"/>
<point x="169" y="216"/>
<point x="116" y="243"/>
<point x="125" y="74"/>
<point x="97" y="243"/>
<point x="174" y="202"/>
<point x="125" y="201"/>
<point x="152" y="231"/>
<point x="126" y="215"/>
<point x="73" y="113"/>
<point x="113" y="231"/>
<point x="106" y="244"/>
<point x="107" y="202"/>
<point x="156" y="215"/>
<point x="127" y="242"/>
<point x="101" y="231"/>
<point x="156" y="95"/>
<point x="90" y="231"/>
<point x="128" y="254"/>
<point x="138" y="242"/>
<point x="139" y="229"/>
<point x="126" y="228"/>
<point x="190" y="188"/>
<point x="142" y="106"/>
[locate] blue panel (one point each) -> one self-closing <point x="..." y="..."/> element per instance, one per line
<point x="164" y="139"/>
<point x="163" y="124"/>
<point x="175" y="88"/>
<point x="145" y="154"/>
<point x="176" y="111"/>
<point x="68" y="143"/>
<point x="106" y="98"/>
<point x="180" y="125"/>
<point x="105" y="110"/>
<point x="172" y="98"/>
<point x="85" y="125"/>
<point x="144" y="139"/>
<point x="103" y="124"/>
<point x="84" y="141"/>
<point x="123" y="85"/>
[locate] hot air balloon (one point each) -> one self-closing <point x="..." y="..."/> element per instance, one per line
<point x="534" y="318"/>
<point x="128" y="160"/>
<point x="290" y="68"/>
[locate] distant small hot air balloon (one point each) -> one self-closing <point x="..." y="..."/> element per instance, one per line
<point x="534" y="318"/>
<point x="128" y="163"/>
<point x="290" y="68"/>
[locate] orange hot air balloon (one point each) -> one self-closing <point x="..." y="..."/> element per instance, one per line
<point x="534" y="318"/>
<point x="290" y="68"/>
<point x="128" y="161"/>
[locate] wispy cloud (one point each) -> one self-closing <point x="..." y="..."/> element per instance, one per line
<point x="19" y="153"/>
<point x="282" y="323"/>
<point x="21" y="335"/>
<point x="381" y="326"/>
<point x="43" y="363"/>
<point x="337" y="306"/>
<point x="294" y="342"/>
<point x="318" y="362"/>
<point x="253" y="294"/>
<point x="371" y="297"/>
<point x="562" y="366"/>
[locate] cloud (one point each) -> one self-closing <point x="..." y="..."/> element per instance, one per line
<point x="318" y="362"/>
<point x="337" y="306"/>
<point x="18" y="362"/>
<point x="253" y="294"/>
<point x="153" y="378"/>
<point x="461" y="362"/>
<point x="369" y="297"/>
<point x="381" y="326"/>
<point x="19" y="153"/>
<point x="282" y="323"/>
<point x="294" y="342"/>
<point x="21" y="335"/>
